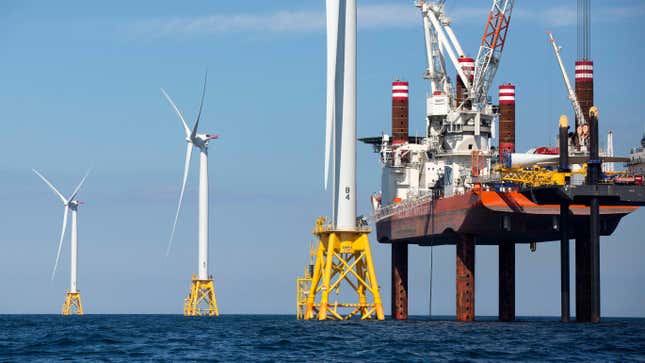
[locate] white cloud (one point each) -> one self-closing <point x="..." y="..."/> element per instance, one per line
<point x="567" y="15"/>
<point x="387" y="16"/>
<point x="633" y="11"/>
<point x="373" y="16"/>
<point x="560" y="16"/>
<point x="280" y="21"/>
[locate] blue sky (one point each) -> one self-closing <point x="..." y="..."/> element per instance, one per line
<point x="80" y="88"/>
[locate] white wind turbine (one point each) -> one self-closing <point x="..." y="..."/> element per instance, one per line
<point x="344" y="244"/>
<point x="340" y="133"/>
<point x="199" y="141"/>
<point x="70" y="203"/>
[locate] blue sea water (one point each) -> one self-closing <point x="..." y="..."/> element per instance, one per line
<point x="242" y="338"/>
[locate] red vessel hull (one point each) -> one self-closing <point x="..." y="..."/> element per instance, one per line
<point x="492" y="217"/>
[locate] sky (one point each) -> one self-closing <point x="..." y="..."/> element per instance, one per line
<point x="80" y="89"/>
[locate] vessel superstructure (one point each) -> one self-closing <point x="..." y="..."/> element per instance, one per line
<point x="457" y="160"/>
<point x="456" y="185"/>
<point x="636" y="163"/>
<point x="459" y="122"/>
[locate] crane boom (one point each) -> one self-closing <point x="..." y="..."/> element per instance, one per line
<point x="490" y="50"/>
<point x="435" y="22"/>
<point x="570" y="91"/>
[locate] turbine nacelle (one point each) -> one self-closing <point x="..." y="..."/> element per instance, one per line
<point x="73" y="204"/>
<point x="201" y="140"/>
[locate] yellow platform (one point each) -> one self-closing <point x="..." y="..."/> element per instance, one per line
<point x="201" y="300"/>
<point x="343" y="258"/>
<point x="72" y="305"/>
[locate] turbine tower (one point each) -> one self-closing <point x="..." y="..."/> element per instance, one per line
<point x="343" y="243"/>
<point x="201" y="299"/>
<point x="72" y="303"/>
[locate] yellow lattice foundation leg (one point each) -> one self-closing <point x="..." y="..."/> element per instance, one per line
<point x="72" y="304"/>
<point x="201" y="300"/>
<point x="343" y="258"/>
<point x="303" y="285"/>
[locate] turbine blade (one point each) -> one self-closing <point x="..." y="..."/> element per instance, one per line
<point x="333" y="18"/>
<point x="329" y="132"/>
<point x="51" y="186"/>
<point x="201" y="106"/>
<point x="60" y="242"/>
<point x="189" y="151"/>
<point x="78" y="188"/>
<point x="183" y="122"/>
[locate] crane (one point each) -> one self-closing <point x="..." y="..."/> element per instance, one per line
<point x="441" y="41"/>
<point x="490" y="50"/>
<point x="436" y="72"/>
<point x="570" y="91"/>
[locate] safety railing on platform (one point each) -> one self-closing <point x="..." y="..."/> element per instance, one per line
<point x="398" y="208"/>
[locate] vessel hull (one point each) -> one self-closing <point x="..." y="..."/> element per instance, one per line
<point x="492" y="217"/>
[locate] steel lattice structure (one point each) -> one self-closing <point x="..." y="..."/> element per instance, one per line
<point x="490" y="50"/>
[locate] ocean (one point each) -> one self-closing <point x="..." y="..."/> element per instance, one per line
<point x="281" y="338"/>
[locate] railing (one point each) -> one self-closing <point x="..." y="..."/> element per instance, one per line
<point x="406" y="205"/>
<point x="493" y="177"/>
<point x="322" y="226"/>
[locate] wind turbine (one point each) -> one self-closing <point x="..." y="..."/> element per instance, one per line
<point x="343" y="242"/>
<point x="340" y="127"/>
<point x="73" y="297"/>
<point x="202" y="291"/>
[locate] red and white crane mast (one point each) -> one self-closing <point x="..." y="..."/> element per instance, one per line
<point x="490" y="50"/>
